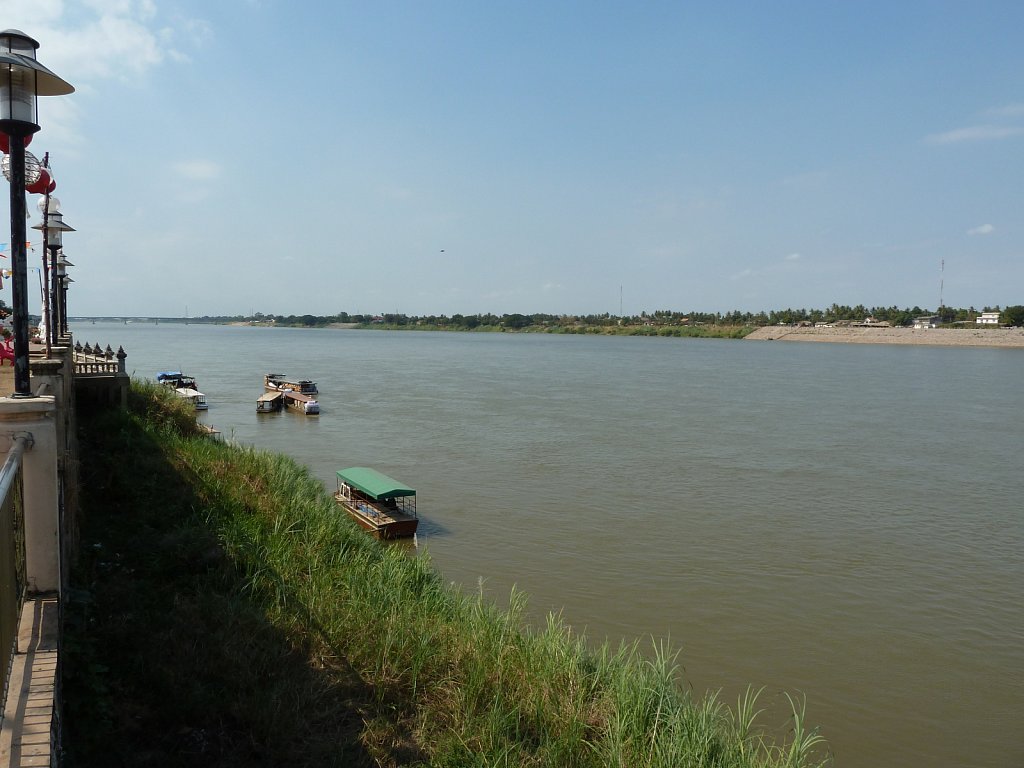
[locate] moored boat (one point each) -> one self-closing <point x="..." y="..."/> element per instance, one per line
<point x="279" y="382"/>
<point x="297" y="401"/>
<point x="380" y="504"/>
<point x="176" y="380"/>
<point x="197" y="398"/>
<point x="270" y="402"/>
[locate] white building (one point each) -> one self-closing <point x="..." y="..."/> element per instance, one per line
<point x="988" y="318"/>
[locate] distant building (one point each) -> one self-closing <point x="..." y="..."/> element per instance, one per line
<point x="926" y="321"/>
<point x="988" y="318"/>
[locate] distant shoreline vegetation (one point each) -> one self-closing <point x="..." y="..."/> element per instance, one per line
<point x="735" y="324"/>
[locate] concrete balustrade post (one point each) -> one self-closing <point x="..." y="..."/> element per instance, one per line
<point x="35" y="418"/>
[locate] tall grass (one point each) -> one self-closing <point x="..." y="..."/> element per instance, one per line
<point x="448" y="678"/>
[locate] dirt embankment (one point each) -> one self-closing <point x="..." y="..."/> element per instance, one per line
<point x="958" y="337"/>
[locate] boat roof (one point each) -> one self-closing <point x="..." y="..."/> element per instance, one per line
<point x="291" y="394"/>
<point x="168" y="374"/>
<point x="285" y="378"/>
<point x="374" y="484"/>
<point x="270" y="396"/>
<point x="187" y="392"/>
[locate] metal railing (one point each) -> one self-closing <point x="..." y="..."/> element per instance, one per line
<point x="12" y="552"/>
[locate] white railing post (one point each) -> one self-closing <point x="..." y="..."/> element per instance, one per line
<point x="35" y="417"/>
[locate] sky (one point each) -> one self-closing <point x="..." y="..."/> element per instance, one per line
<point x="564" y="157"/>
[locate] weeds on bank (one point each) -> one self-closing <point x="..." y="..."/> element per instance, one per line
<point x="288" y="636"/>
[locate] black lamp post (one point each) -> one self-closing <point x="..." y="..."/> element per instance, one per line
<point x="63" y="278"/>
<point x="22" y="81"/>
<point x="53" y="227"/>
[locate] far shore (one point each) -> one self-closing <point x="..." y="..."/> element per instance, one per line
<point x="946" y="337"/>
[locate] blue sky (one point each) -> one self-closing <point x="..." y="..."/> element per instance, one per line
<point x="428" y="158"/>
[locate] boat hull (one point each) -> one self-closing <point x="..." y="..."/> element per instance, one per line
<point x="309" y="409"/>
<point x="300" y="403"/>
<point x="384" y="524"/>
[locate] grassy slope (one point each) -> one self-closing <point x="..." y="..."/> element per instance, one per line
<point x="225" y="614"/>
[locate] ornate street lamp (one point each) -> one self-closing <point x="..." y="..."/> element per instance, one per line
<point x="53" y="227"/>
<point x="63" y="278"/>
<point x="22" y="81"/>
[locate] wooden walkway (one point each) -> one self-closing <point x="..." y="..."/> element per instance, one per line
<point x="27" y="732"/>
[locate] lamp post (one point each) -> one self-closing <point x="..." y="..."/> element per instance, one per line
<point x="53" y="227"/>
<point x="22" y="81"/>
<point x="63" y="279"/>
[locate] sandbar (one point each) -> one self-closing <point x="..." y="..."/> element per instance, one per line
<point x="946" y="337"/>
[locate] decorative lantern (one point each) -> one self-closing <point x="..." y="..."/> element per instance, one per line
<point x="32" y="168"/>
<point x="5" y="142"/>
<point x="52" y="223"/>
<point x="22" y="81"/>
<point x="43" y="183"/>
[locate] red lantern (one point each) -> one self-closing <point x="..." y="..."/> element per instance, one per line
<point x="5" y="142"/>
<point x="41" y="184"/>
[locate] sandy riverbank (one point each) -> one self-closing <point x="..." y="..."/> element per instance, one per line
<point x="959" y="337"/>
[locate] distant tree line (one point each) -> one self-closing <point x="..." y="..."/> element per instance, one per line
<point x="836" y="313"/>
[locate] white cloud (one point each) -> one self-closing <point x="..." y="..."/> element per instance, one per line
<point x="31" y="15"/>
<point x="87" y="42"/>
<point x="975" y="133"/>
<point x="793" y="257"/>
<point x="82" y="40"/>
<point x="142" y="8"/>
<point x="984" y="229"/>
<point x="112" y="46"/>
<point x="199" y="32"/>
<point x="60" y="118"/>
<point x="551" y="287"/>
<point x="198" y="170"/>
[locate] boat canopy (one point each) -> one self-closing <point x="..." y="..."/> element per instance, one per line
<point x="168" y="375"/>
<point x="374" y="484"/>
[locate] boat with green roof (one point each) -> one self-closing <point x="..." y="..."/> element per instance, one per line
<point x="380" y="504"/>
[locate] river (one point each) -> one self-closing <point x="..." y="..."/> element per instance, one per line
<point x="840" y="522"/>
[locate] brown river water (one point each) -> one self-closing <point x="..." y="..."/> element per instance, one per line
<point x="840" y="522"/>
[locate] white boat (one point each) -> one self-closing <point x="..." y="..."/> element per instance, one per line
<point x="197" y="398"/>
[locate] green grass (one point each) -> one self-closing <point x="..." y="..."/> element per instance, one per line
<point x="225" y="613"/>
